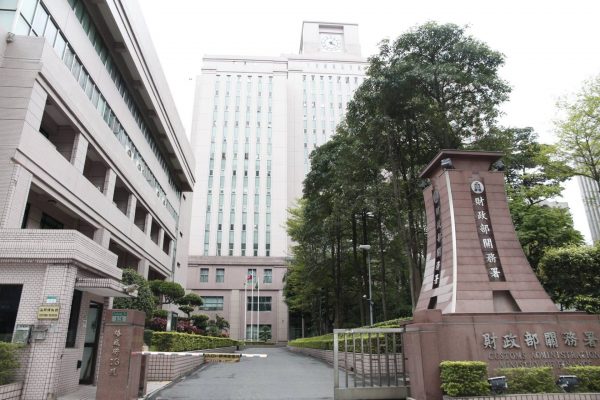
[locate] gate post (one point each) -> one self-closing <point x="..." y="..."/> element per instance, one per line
<point x="120" y="361"/>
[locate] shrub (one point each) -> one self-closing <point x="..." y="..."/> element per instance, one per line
<point x="464" y="378"/>
<point x="184" y="325"/>
<point x="160" y="314"/>
<point x="175" y="341"/>
<point x="529" y="380"/>
<point x="589" y="378"/>
<point x="8" y="362"/>
<point x="200" y="321"/>
<point x="158" y="324"/>
<point x="148" y="336"/>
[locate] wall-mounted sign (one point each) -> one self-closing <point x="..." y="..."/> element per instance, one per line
<point x="48" y="312"/>
<point x="51" y="299"/>
<point x="119" y="316"/>
<point x="485" y="232"/>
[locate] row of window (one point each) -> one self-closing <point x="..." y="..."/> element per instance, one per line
<point x="342" y="66"/>
<point x="38" y="22"/>
<point x="252" y="277"/>
<point x="253" y="303"/>
<point x="101" y="49"/>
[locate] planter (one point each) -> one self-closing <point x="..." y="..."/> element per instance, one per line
<point x="533" y="396"/>
<point x="11" y="391"/>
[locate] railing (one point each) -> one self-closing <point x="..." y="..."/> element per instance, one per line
<point x="371" y="362"/>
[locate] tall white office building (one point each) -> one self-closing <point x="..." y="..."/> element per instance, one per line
<point x="256" y="120"/>
<point x="590" y="195"/>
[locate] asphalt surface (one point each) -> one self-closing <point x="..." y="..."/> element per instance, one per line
<point x="282" y="375"/>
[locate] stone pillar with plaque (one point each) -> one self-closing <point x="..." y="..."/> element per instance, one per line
<point x="480" y="299"/>
<point x="120" y="359"/>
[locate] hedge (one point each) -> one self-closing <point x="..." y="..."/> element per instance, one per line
<point x="529" y="380"/>
<point x="464" y="378"/>
<point x="589" y="378"/>
<point x="8" y="362"/>
<point x="175" y="341"/>
<point x="148" y="333"/>
<point x="325" y="342"/>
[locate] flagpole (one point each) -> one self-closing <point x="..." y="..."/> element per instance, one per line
<point x="245" y="306"/>
<point x="258" y="315"/>
<point x="252" y="307"/>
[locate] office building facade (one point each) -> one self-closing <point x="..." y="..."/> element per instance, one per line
<point x="256" y="120"/>
<point x="96" y="175"/>
<point x="590" y="194"/>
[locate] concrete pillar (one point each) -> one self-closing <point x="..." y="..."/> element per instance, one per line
<point x="131" y="205"/>
<point x="143" y="268"/>
<point x="148" y="224"/>
<point x="161" y="237"/>
<point x="171" y="247"/>
<point x="13" y="210"/>
<point x="43" y="366"/>
<point x="102" y="237"/>
<point x="80" y="146"/>
<point x="109" y="183"/>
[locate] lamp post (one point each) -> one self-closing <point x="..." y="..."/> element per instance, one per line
<point x="367" y="247"/>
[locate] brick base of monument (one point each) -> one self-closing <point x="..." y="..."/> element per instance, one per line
<point x="504" y="340"/>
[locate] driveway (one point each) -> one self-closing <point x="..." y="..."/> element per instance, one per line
<point x="281" y="375"/>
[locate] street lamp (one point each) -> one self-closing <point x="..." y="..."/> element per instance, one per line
<point x="367" y="247"/>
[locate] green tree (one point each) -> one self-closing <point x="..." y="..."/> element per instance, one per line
<point x="579" y="131"/>
<point x="188" y="303"/>
<point x="144" y="300"/>
<point x="169" y="292"/>
<point x="572" y="276"/>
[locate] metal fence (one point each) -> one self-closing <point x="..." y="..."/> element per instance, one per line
<point x="371" y="364"/>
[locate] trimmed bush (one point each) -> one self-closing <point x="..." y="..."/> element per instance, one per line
<point x="529" y="380"/>
<point x="8" y="362"/>
<point x="464" y="378"/>
<point x="175" y="341"/>
<point x="589" y="378"/>
<point x="160" y="314"/>
<point x="148" y="336"/>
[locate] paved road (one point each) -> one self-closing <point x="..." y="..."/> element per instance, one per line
<point x="282" y="375"/>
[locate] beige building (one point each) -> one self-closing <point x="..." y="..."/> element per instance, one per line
<point x="256" y="120"/>
<point x="95" y="176"/>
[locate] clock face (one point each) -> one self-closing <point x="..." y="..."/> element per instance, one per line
<point x="331" y="42"/>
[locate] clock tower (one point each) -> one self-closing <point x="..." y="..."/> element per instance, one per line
<point x="329" y="39"/>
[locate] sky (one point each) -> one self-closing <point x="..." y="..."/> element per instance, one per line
<point x="550" y="47"/>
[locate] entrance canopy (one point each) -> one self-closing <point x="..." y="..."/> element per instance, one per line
<point x="105" y="287"/>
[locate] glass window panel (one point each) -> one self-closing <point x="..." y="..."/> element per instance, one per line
<point x="203" y="274"/>
<point x="59" y="45"/>
<point x="28" y="9"/>
<point x="22" y="27"/>
<point x="39" y="22"/>
<point x="76" y="69"/>
<point x="8" y="4"/>
<point x="6" y="19"/>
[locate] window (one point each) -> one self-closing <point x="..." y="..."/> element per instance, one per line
<point x="212" y="303"/>
<point x="262" y="303"/>
<point x="10" y="297"/>
<point x="268" y="278"/>
<point x="251" y="275"/>
<point x="203" y="274"/>
<point x="74" y="319"/>
<point x="261" y="332"/>
<point x="220" y="276"/>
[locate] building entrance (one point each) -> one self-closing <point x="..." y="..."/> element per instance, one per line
<point x="90" y="349"/>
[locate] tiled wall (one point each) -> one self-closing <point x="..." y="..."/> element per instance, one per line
<point x="12" y="391"/>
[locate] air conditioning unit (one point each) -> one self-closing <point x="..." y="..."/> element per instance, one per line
<point x="129" y="152"/>
<point x="158" y="193"/>
<point x="139" y="166"/>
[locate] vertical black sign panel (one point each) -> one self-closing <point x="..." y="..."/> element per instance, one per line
<point x="437" y="269"/>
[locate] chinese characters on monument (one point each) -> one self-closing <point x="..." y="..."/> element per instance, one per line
<point x="485" y="232"/>
<point x="116" y="353"/>
<point x="438" y="240"/>
<point x="532" y="349"/>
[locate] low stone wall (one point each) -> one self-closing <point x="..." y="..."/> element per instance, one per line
<point x="364" y="362"/>
<point x="12" y="391"/>
<point x="170" y="366"/>
<point x="538" y="396"/>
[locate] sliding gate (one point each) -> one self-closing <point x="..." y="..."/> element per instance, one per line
<point x="370" y="363"/>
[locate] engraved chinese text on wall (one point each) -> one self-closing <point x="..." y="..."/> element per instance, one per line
<point x="437" y="269"/>
<point x="485" y="232"/>
<point x="115" y="360"/>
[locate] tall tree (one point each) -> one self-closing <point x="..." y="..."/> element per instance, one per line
<point x="579" y="130"/>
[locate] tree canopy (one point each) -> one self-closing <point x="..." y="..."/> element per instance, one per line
<point x="434" y="87"/>
<point x="144" y="300"/>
